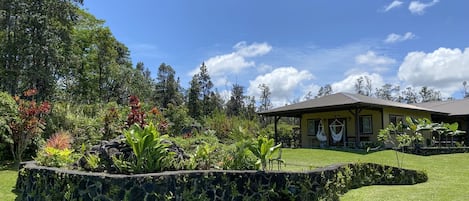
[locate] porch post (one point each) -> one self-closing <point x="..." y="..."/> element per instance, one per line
<point x="357" y="128"/>
<point x="276" y="118"/>
<point x="467" y="130"/>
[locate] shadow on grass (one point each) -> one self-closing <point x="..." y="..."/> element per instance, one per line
<point x="9" y="165"/>
<point x="360" y="151"/>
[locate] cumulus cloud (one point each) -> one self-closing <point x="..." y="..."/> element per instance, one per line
<point x="418" y="8"/>
<point x="348" y="84"/>
<point x="283" y="82"/>
<point x="392" y="5"/>
<point x="394" y="38"/>
<point x="371" y="62"/>
<point x="370" y="58"/>
<point x="444" y="69"/>
<point x="236" y="61"/>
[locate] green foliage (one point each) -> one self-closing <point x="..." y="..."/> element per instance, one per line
<point x="204" y="156"/>
<point x="239" y="157"/>
<point x="57" y="152"/>
<point x="263" y="149"/>
<point x="9" y="114"/>
<point x="93" y="161"/>
<point x="82" y="121"/>
<point x="179" y="118"/>
<point x="53" y="157"/>
<point x="150" y="154"/>
<point x="229" y="129"/>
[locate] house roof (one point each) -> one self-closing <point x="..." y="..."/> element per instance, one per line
<point x="453" y="107"/>
<point x="339" y="101"/>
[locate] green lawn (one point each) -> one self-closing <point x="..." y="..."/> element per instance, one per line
<point x="448" y="174"/>
<point x="7" y="183"/>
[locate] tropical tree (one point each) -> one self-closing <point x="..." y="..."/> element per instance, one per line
<point x="35" y="44"/>
<point x="168" y="89"/>
<point x="235" y="105"/>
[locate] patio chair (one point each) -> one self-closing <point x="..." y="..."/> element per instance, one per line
<point x="279" y="160"/>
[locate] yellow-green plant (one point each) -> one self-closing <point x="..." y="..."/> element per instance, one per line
<point x="53" y="157"/>
<point x="263" y="149"/>
<point x="150" y="154"/>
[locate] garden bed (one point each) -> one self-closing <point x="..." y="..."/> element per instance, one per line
<point x="47" y="183"/>
<point x="428" y="151"/>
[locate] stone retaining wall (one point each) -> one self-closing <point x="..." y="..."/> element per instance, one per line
<point x="46" y="183"/>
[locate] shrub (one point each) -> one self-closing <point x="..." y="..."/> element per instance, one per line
<point x="150" y="154"/>
<point x="263" y="149"/>
<point x="57" y="152"/>
<point x="29" y="124"/>
<point x="239" y="157"/>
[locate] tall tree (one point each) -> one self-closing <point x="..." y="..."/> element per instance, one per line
<point x="193" y="103"/>
<point x="410" y="95"/>
<point x="205" y="89"/>
<point x="235" y="105"/>
<point x="35" y="44"/>
<point x="466" y="89"/>
<point x="363" y="86"/>
<point x="100" y="68"/>
<point x="265" y="102"/>
<point x="324" y="91"/>
<point x="167" y="87"/>
<point x="387" y="92"/>
<point x="428" y="94"/>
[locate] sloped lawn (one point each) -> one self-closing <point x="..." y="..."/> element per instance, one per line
<point x="448" y="174"/>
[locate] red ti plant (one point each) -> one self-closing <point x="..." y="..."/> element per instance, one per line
<point x="136" y="116"/>
<point x="29" y="125"/>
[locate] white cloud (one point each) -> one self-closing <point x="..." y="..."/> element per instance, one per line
<point x="393" y="38"/>
<point x="371" y="62"/>
<point x="253" y="50"/>
<point x="444" y="69"/>
<point x="348" y="84"/>
<point x="283" y="82"/>
<point x="418" y="8"/>
<point x="392" y="5"/>
<point x="235" y="62"/>
<point x="370" y="58"/>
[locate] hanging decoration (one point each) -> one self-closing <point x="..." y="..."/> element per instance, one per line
<point x="337" y="130"/>
<point x="321" y="135"/>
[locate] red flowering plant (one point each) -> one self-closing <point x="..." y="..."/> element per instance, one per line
<point x="136" y="115"/>
<point x="29" y="125"/>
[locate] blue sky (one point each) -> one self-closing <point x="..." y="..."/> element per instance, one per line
<point x="297" y="46"/>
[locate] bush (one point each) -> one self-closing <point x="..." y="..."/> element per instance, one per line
<point x="149" y="153"/>
<point x="57" y="152"/>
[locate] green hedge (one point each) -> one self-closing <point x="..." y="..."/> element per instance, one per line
<point x="45" y="183"/>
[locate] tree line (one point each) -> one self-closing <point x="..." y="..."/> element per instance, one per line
<point x="67" y="55"/>
<point x="363" y="85"/>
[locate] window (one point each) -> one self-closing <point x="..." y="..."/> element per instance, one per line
<point x="395" y="119"/>
<point x="312" y="126"/>
<point x="366" y="124"/>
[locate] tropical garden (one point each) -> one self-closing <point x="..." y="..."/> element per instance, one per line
<point x="70" y="97"/>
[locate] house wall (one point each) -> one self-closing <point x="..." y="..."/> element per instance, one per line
<point x="379" y="120"/>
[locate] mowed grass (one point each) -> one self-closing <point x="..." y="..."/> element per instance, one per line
<point x="8" y="177"/>
<point x="448" y="174"/>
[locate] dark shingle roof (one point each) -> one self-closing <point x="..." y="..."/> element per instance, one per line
<point x="339" y="101"/>
<point x="453" y="107"/>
